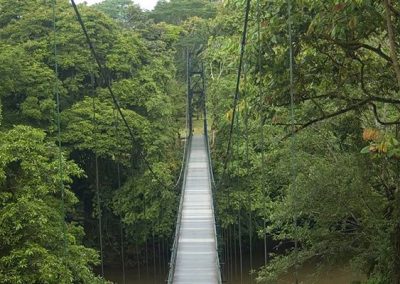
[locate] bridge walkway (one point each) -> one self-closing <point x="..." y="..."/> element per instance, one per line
<point x="197" y="258"/>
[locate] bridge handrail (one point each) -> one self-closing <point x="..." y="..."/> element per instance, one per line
<point x="179" y="216"/>
<point x="185" y="146"/>
<point x="213" y="190"/>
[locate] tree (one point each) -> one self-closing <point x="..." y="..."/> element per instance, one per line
<point x="142" y="73"/>
<point x="177" y="11"/>
<point x="34" y="235"/>
<point x="346" y="101"/>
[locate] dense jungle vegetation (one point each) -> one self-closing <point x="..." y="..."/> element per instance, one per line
<point x="316" y="181"/>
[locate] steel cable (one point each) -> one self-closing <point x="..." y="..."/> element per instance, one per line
<point x="237" y="89"/>
<point x="262" y="119"/>
<point x="104" y="76"/>
<point x="293" y="159"/>
<point x="119" y="186"/>
<point x="97" y="182"/>
<point x="56" y="93"/>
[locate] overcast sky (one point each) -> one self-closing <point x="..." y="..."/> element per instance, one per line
<point x="145" y="4"/>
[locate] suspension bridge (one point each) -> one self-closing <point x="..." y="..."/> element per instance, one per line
<point x="195" y="251"/>
<point x="195" y="257"/>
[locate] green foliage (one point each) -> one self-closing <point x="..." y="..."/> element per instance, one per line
<point x="138" y="56"/>
<point x="32" y="224"/>
<point x="30" y="96"/>
<point x="317" y="189"/>
<point x="116" y="9"/>
<point x="177" y="11"/>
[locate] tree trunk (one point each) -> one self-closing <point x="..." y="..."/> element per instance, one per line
<point x="392" y="41"/>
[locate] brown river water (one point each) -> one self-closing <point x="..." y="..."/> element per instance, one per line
<point x="306" y="275"/>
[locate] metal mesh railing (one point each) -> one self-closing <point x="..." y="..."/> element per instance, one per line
<point x="174" y="248"/>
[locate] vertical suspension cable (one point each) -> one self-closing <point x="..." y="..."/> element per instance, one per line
<point x="246" y="123"/>
<point x="160" y="257"/>
<point x="235" y="249"/>
<point x="146" y="242"/>
<point x="240" y="247"/>
<point x="237" y="186"/>
<point x="227" y="261"/>
<point x="232" y="247"/>
<point x="147" y="259"/>
<point x="121" y="233"/>
<point x="154" y="256"/>
<point x="223" y="238"/>
<point x="262" y="141"/>
<point x="115" y="115"/>
<point x="56" y="93"/>
<point x="99" y="211"/>
<point x="293" y="160"/>
<point x="232" y="250"/>
<point x="163" y="261"/>
<point x="138" y="260"/>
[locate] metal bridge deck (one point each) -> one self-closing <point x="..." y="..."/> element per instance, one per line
<point x="196" y="260"/>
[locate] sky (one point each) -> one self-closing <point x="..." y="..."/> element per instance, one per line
<point x="144" y="4"/>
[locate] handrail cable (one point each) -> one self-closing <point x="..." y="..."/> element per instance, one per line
<point x="56" y="93"/>
<point x="212" y="181"/>
<point x="185" y="146"/>
<point x="184" y="176"/>
<point x="178" y="223"/>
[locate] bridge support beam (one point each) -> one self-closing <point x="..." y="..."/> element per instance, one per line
<point x="196" y="86"/>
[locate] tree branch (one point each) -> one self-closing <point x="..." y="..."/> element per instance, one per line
<point x="375" y="110"/>
<point x="385" y="100"/>
<point x="365" y="91"/>
<point x="377" y="50"/>
<point x="395" y="11"/>
<point x="304" y="99"/>
<point x="325" y="117"/>
<point x="354" y="45"/>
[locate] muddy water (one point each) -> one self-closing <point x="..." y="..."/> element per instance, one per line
<point x="307" y="274"/>
<point x="335" y="275"/>
<point x="132" y="277"/>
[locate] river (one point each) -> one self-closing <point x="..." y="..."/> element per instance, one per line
<point x="306" y="275"/>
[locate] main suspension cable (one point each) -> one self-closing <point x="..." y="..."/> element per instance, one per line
<point x="236" y="97"/>
<point x="231" y="130"/>
<point x="103" y="74"/>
